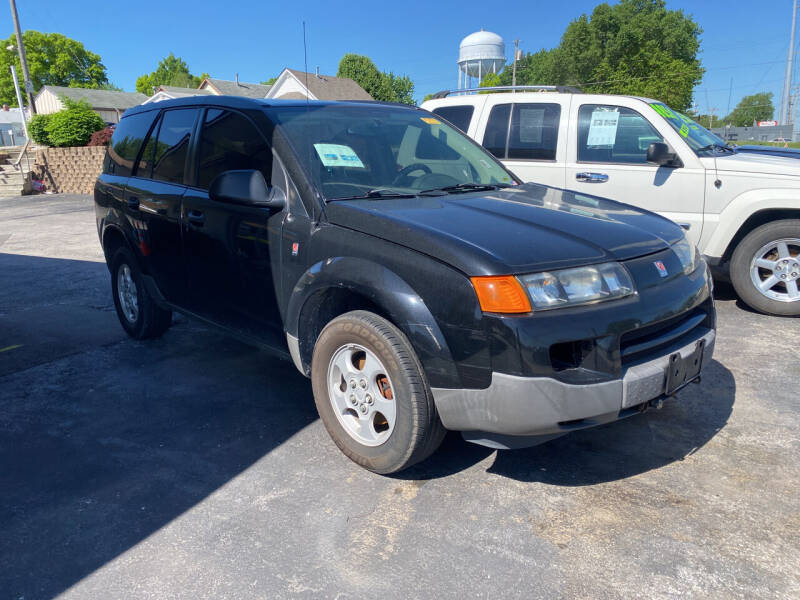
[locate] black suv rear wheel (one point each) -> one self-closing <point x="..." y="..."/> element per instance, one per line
<point x="372" y="395"/>
<point x="138" y="313"/>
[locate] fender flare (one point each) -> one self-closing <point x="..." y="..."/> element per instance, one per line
<point x="741" y="208"/>
<point x="381" y="286"/>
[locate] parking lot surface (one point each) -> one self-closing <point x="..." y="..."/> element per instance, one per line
<point x="194" y="466"/>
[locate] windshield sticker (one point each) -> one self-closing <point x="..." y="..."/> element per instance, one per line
<point x="336" y="155"/>
<point x="603" y="128"/>
<point x="663" y="111"/>
<point x="431" y="121"/>
<point x="684" y="130"/>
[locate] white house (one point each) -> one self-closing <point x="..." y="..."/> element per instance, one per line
<point x="293" y="84"/>
<point x="211" y="87"/>
<point x="108" y="104"/>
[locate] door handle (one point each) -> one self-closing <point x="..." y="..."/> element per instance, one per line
<point x="195" y="217"/>
<point x="592" y="177"/>
<point x="133" y="202"/>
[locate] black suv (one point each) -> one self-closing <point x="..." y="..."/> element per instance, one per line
<point x="417" y="282"/>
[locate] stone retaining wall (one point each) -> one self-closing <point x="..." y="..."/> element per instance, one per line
<point x="69" y="170"/>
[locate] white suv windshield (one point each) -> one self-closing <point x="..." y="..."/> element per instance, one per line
<point x="700" y="139"/>
<point x="380" y="151"/>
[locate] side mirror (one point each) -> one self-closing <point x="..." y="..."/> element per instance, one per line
<point x="662" y="155"/>
<point x="246" y="187"/>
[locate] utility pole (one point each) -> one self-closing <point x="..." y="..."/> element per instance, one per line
<point x="787" y="81"/>
<point x="514" y="68"/>
<point x="26" y="76"/>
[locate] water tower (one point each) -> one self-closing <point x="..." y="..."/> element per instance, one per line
<point x="480" y="53"/>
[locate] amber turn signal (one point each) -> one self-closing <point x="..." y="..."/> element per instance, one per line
<point x="501" y="294"/>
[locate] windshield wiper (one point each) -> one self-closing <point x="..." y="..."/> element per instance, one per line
<point x="716" y="147"/>
<point x="467" y="187"/>
<point x="376" y="193"/>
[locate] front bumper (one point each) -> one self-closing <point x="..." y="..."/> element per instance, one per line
<point x="545" y="407"/>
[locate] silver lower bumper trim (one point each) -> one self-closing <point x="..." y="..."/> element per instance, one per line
<point x="527" y="406"/>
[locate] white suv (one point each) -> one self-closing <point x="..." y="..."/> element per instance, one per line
<point x="742" y="210"/>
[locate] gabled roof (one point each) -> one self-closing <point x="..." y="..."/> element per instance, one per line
<point x="223" y="87"/>
<point x="182" y="92"/>
<point x="326" y="87"/>
<point x="97" y="98"/>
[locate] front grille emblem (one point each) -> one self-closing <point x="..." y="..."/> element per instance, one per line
<point x="662" y="270"/>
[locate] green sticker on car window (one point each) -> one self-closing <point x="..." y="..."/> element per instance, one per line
<point x="663" y="111"/>
<point x="684" y="130"/>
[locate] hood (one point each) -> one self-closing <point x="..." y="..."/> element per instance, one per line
<point x="516" y="230"/>
<point x="756" y="162"/>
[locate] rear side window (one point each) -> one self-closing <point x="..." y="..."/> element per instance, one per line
<point x="534" y="131"/>
<point x="496" y="135"/>
<point x="171" y="147"/>
<point x="229" y="141"/>
<point x="126" y="142"/>
<point x="614" y="134"/>
<point x="460" y="116"/>
<point x="523" y="131"/>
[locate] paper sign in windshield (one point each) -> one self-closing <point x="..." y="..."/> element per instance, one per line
<point x="603" y="128"/>
<point x="336" y="155"/>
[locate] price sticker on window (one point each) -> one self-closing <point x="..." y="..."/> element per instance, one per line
<point x="603" y="128"/>
<point x="337" y="155"/>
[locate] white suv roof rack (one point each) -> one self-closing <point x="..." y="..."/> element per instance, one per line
<point x="561" y="89"/>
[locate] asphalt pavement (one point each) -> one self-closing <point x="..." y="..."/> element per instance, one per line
<point x="194" y="466"/>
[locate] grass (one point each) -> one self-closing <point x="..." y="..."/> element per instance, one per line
<point x="762" y="143"/>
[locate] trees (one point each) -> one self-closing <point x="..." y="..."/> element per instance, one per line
<point x="756" y="107"/>
<point x="171" y="70"/>
<point x="381" y="86"/>
<point x="635" y="47"/>
<point x="709" y="121"/>
<point x="53" y="59"/>
<point x="491" y="80"/>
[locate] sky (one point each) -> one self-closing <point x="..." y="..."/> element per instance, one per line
<point x="743" y="48"/>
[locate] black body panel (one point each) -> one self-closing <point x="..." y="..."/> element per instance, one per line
<point x="261" y="273"/>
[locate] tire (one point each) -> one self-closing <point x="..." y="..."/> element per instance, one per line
<point x="776" y="243"/>
<point x="380" y="443"/>
<point x="140" y="316"/>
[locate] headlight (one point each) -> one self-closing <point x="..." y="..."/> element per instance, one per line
<point x="583" y="285"/>
<point x="687" y="254"/>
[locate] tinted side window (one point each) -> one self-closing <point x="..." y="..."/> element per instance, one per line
<point x="172" y="145"/>
<point x="614" y="134"/>
<point x="534" y="131"/>
<point x="126" y="141"/>
<point x="460" y="116"/>
<point x="229" y="141"/>
<point x="496" y="135"/>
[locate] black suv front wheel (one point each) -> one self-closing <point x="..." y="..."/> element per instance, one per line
<point x="372" y="395"/>
<point x="138" y="313"/>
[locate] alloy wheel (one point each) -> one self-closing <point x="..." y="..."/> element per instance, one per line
<point x="361" y="394"/>
<point x="127" y="293"/>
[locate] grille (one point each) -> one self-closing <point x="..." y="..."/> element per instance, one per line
<point x="650" y="341"/>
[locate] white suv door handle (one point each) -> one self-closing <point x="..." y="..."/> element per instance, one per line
<point x="592" y="177"/>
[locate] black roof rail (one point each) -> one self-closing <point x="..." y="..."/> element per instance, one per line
<point x="561" y="89"/>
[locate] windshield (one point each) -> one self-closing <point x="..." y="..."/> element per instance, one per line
<point x="700" y="139"/>
<point x="384" y="151"/>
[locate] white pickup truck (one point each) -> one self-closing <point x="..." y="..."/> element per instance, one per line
<point x="742" y="210"/>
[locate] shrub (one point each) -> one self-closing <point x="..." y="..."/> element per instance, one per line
<point x="102" y="137"/>
<point x="74" y="125"/>
<point x="37" y="129"/>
